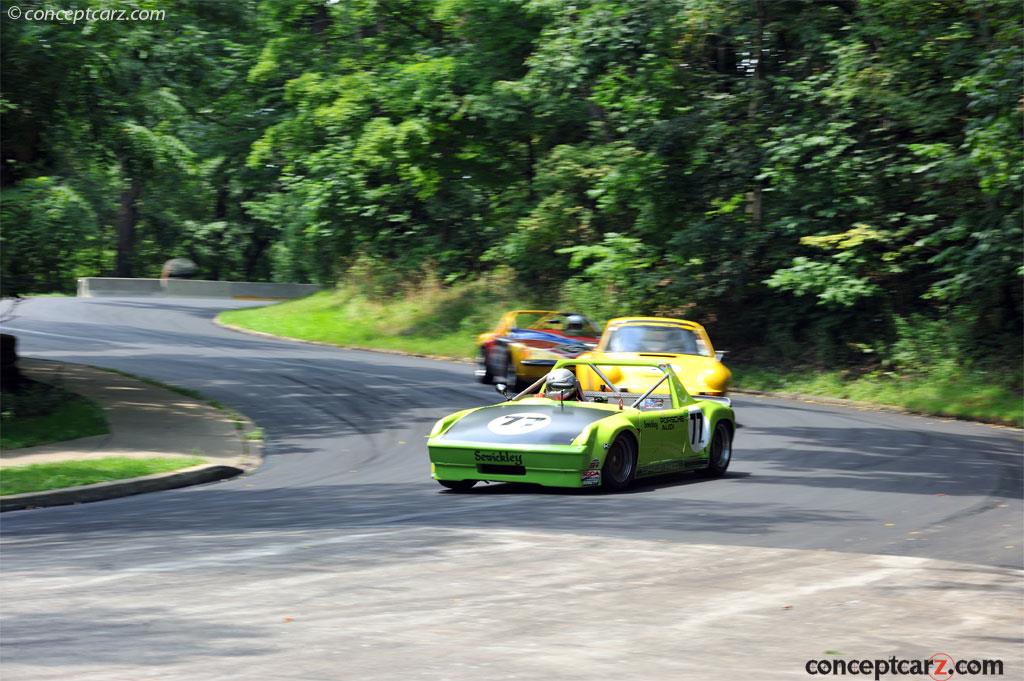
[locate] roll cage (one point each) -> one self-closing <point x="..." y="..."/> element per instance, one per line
<point x="676" y="390"/>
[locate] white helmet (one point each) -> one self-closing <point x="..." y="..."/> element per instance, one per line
<point x="562" y="384"/>
<point x="575" y="323"/>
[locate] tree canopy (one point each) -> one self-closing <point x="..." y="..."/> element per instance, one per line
<point x="809" y="175"/>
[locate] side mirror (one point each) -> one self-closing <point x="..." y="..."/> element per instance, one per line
<point x="720" y="354"/>
<point x="504" y="391"/>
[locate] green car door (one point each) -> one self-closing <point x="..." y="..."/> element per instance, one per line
<point x="663" y="437"/>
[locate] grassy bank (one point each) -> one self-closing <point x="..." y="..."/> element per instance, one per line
<point x="45" y="476"/>
<point x="968" y="395"/>
<point x="431" y="320"/>
<point x="38" y="414"/>
<point x="444" y="321"/>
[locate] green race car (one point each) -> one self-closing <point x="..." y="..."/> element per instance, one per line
<point x="557" y="435"/>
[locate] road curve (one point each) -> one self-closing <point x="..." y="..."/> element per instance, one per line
<point x="346" y="480"/>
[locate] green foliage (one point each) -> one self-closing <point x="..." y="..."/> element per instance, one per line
<point x="50" y="235"/>
<point x="848" y="276"/>
<point x="808" y="178"/>
<point x="612" y="282"/>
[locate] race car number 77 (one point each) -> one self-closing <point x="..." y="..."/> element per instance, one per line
<point x="514" y="424"/>
<point x="696" y="428"/>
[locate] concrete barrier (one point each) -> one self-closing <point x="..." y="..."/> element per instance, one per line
<point x="90" y="287"/>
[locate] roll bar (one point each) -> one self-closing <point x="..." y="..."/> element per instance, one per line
<point x="663" y="367"/>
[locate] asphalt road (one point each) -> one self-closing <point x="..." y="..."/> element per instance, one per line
<point x="343" y="527"/>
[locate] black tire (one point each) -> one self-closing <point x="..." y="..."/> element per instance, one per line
<point x="483" y="369"/>
<point x="619" y="469"/>
<point x="505" y="368"/>
<point x="720" y="454"/>
<point x="458" y="485"/>
<point x="511" y="377"/>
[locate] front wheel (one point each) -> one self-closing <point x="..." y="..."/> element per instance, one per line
<point x="619" y="465"/>
<point x="721" y="451"/>
<point x="483" y="370"/>
<point x="458" y="485"/>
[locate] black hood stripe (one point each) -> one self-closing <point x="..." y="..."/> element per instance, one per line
<point x="535" y="424"/>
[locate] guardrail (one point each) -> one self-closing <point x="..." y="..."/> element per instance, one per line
<point x="90" y="287"/>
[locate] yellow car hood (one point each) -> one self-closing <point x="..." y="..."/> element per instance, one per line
<point x="699" y="374"/>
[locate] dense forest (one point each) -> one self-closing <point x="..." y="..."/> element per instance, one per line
<point x="837" y="180"/>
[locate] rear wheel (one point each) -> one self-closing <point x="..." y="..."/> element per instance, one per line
<point x="458" y="485"/>
<point x="721" y="450"/>
<point x="619" y="467"/>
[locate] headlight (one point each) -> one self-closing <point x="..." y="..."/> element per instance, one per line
<point x="716" y="379"/>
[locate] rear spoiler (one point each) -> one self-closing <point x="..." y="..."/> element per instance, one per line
<point x="714" y="398"/>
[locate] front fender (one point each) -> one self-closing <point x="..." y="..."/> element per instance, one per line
<point x="600" y="435"/>
<point x="448" y="421"/>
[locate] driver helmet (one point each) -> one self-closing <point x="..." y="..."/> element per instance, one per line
<point x="575" y="324"/>
<point x="562" y="384"/>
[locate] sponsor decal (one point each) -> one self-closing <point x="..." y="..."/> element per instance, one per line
<point x="518" y="424"/>
<point x="594" y="464"/>
<point x="590" y="478"/>
<point x="498" y="457"/>
<point x="669" y="422"/>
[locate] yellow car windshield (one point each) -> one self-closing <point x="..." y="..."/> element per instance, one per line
<point x="672" y="340"/>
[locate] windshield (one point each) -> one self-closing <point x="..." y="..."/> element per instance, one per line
<point x="661" y="339"/>
<point x="560" y="321"/>
<point x="526" y="320"/>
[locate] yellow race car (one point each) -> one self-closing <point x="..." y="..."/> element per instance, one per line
<point x="683" y="344"/>
<point x="526" y="344"/>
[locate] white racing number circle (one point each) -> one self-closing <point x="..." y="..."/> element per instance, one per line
<point x="519" y="423"/>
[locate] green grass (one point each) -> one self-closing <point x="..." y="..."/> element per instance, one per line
<point x="433" y="320"/>
<point x="44" y="476"/>
<point x="959" y="393"/>
<point x="40" y="414"/>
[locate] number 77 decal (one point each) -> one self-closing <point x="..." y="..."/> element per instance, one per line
<point x="698" y="429"/>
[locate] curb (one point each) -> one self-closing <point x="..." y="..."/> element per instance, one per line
<point x="100" y="491"/>
<point x="385" y="351"/>
<point x="250" y="460"/>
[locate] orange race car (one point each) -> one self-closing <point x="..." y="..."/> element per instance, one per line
<point x="526" y="344"/>
<point x="683" y="344"/>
